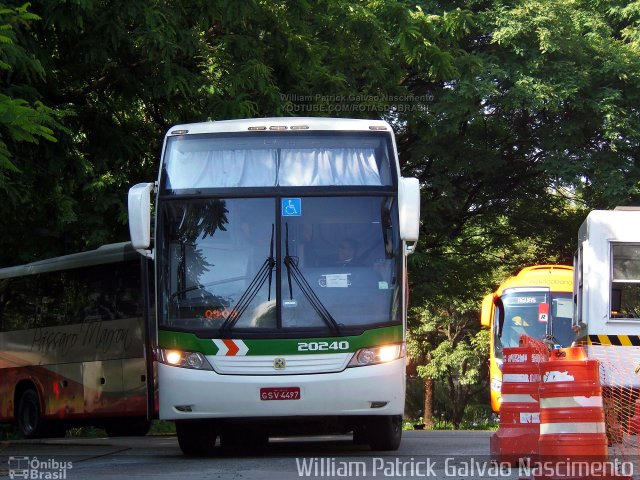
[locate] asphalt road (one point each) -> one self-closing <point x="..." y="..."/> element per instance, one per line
<point x="423" y="454"/>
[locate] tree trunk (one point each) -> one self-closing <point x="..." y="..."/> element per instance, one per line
<point x="457" y="411"/>
<point x="427" y="415"/>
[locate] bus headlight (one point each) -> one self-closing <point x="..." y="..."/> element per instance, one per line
<point x="180" y="358"/>
<point x="374" y="355"/>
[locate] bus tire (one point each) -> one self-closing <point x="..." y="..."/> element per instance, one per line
<point x="29" y="415"/>
<point x="196" y="438"/>
<point x="385" y="433"/>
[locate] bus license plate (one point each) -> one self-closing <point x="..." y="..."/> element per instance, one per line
<point x="280" y="393"/>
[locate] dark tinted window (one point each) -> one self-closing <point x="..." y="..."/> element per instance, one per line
<point x="88" y="294"/>
<point x="17" y="303"/>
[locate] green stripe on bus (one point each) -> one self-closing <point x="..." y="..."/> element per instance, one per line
<point x="285" y="346"/>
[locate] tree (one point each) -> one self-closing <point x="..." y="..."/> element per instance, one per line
<point x="21" y="119"/>
<point x="520" y="140"/>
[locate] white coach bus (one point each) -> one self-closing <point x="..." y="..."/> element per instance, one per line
<point x="280" y="253"/>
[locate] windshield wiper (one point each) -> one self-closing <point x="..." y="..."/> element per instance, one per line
<point x="264" y="274"/>
<point x="294" y="272"/>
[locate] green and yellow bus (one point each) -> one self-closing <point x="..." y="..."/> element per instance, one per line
<point x="280" y="255"/>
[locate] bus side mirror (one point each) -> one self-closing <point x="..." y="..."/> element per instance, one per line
<point x="409" y="210"/>
<point x="487" y="311"/>
<point x="140" y="215"/>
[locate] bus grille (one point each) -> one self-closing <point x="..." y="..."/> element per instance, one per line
<point x="273" y="364"/>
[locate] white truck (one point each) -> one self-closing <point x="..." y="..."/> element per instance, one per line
<point x="607" y="292"/>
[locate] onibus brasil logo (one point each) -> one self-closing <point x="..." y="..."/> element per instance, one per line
<point x="36" y="469"/>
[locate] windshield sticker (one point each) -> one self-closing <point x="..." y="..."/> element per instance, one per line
<point x="543" y="312"/>
<point x="563" y="307"/>
<point x="291" y="207"/>
<point x="337" y="280"/>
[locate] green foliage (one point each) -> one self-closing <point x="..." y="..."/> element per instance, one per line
<point x="162" y="427"/>
<point x="462" y="361"/>
<point x="21" y="120"/>
<point x="444" y="335"/>
<point x="536" y="126"/>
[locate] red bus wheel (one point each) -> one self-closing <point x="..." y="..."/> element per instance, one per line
<point x="29" y="416"/>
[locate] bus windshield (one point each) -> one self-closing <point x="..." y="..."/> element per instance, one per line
<point x="538" y="314"/>
<point x="251" y="264"/>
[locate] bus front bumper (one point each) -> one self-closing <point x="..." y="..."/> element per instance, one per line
<point x="371" y="390"/>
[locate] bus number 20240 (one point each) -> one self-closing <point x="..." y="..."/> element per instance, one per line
<point x="323" y="346"/>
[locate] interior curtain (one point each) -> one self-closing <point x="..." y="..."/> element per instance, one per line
<point x="260" y="168"/>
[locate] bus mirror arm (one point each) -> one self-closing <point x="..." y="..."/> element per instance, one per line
<point x="409" y="249"/>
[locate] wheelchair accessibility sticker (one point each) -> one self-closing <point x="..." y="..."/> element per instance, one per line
<point x="291" y="207"/>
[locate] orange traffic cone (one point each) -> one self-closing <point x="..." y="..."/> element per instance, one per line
<point x="518" y="432"/>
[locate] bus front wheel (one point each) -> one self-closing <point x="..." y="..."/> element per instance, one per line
<point x="196" y="438"/>
<point x="29" y="415"/>
<point x="385" y="432"/>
